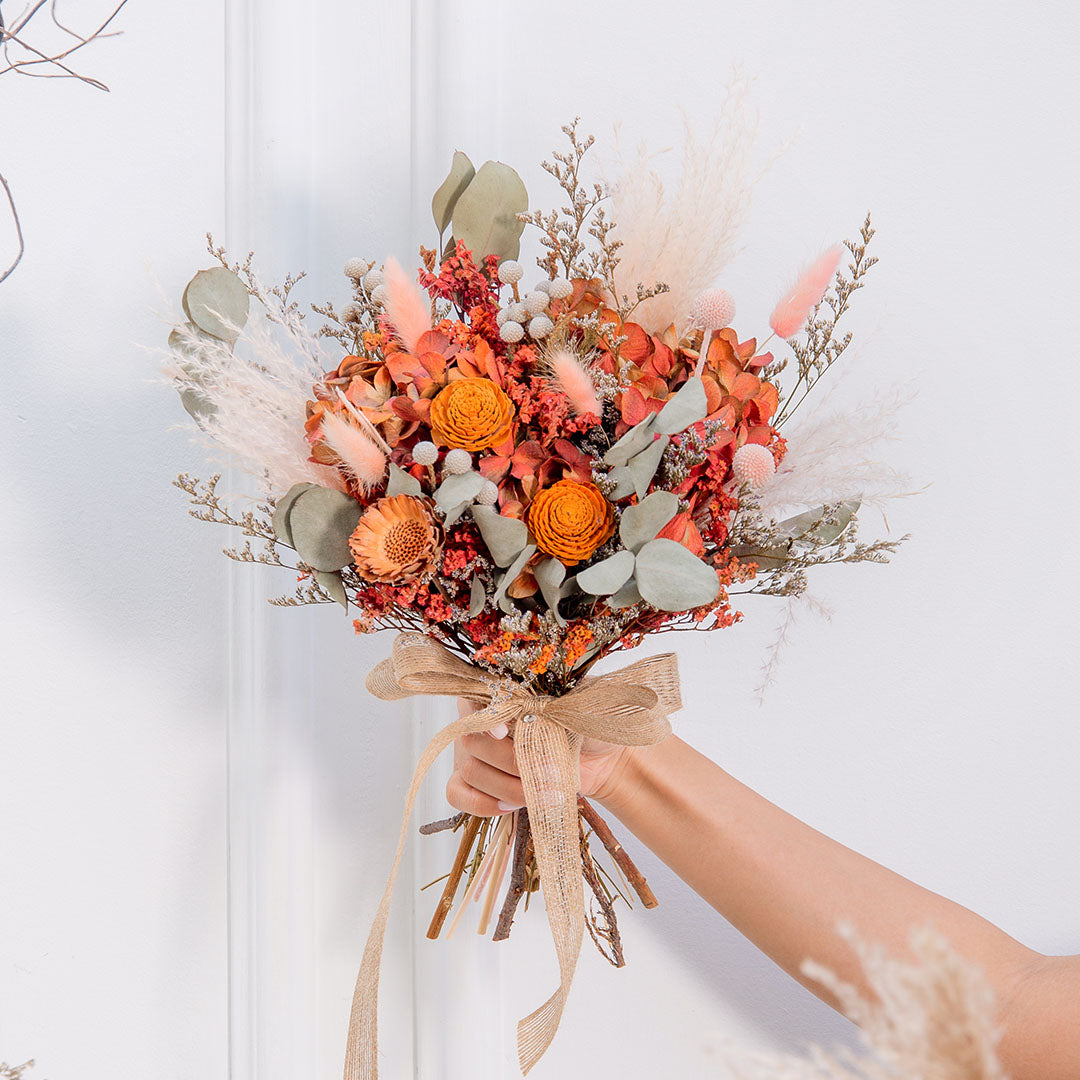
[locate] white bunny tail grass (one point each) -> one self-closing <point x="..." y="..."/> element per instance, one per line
<point x="836" y="455"/>
<point x="256" y="396"/>
<point x="685" y="237"/>
<point x="927" y="1019"/>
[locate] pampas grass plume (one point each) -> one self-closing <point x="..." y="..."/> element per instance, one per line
<point x="572" y="377"/>
<point x="790" y="314"/>
<point x="406" y="306"/>
<point x="360" y="455"/>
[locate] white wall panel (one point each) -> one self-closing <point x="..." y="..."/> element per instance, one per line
<point x="930" y="724"/>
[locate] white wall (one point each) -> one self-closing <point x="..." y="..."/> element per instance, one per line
<point x="930" y="725"/>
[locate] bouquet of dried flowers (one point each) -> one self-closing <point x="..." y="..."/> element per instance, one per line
<point x="522" y="474"/>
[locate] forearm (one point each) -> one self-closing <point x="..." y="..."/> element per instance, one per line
<point x="780" y="882"/>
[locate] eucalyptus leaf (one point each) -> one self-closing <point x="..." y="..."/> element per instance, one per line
<point x="550" y="575"/>
<point x="451" y="516"/>
<point x="673" y="578"/>
<point x="282" y="508"/>
<point x="197" y="405"/>
<point x="504" y="537"/>
<point x="641" y="523"/>
<point x="458" y="488"/>
<point x="643" y="466"/>
<point x="445" y="199"/>
<point x="623" y="479"/>
<point x="634" y="441"/>
<point x="320" y="522"/>
<point x="607" y="576"/>
<point x="687" y="407"/>
<point x="626" y="596"/>
<point x="508" y="578"/>
<point x="477" y="597"/>
<point x="485" y="216"/>
<point x="767" y="559"/>
<point x="811" y="524"/>
<point x="217" y="302"/>
<point x="191" y="340"/>
<point x="402" y="482"/>
<point x="331" y="583"/>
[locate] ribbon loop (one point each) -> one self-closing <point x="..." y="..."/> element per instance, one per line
<point x="629" y="707"/>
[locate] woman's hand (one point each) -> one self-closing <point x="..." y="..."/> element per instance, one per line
<point x="486" y="782"/>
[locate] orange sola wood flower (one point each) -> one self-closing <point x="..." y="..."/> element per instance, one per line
<point x="398" y="539"/>
<point x="570" y="520"/>
<point x="471" y="414"/>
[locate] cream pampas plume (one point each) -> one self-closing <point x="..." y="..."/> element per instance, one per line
<point x="255" y="398"/>
<point x="408" y="309"/>
<point x="931" y="1018"/>
<point x="791" y="313"/>
<point x="359" y="454"/>
<point x="569" y="373"/>
<point x="685" y="237"/>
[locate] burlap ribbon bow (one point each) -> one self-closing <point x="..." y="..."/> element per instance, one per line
<point x="629" y="707"/>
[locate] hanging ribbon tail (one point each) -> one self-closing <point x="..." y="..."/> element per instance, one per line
<point x="548" y="761"/>
<point x="361" y="1055"/>
<point x="629" y="707"/>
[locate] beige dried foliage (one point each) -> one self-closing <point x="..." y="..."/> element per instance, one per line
<point x="931" y="1019"/>
<point x="685" y="235"/>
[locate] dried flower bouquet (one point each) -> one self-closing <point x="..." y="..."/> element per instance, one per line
<point x="532" y="476"/>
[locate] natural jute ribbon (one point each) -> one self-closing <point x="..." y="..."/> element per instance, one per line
<point x="629" y="707"/>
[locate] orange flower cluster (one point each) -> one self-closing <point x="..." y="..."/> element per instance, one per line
<point x="570" y="520"/>
<point x="471" y="414"/>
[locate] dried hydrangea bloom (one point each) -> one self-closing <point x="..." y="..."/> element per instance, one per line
<point x="471" y="414"/>
<point x="397" y="540"/>
<point x="570" y="520"/>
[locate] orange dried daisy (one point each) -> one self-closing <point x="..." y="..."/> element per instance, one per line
<point x="471" y="414"/>
<point x="570" y="520"/>
<point x="397" y="540"/>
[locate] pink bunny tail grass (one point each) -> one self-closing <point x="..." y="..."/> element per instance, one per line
<point x="791" y="313"/>
<point x="360" y="455"/>
<point x="406" y="306"/>
<point x="572" y="377"/>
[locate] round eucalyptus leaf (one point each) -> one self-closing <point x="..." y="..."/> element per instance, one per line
<point x="641" y="523"/>
<point x="626" y="596"/>
<point x="402" y="482"/>
<point x="485" y="216"/>
<point x="643" y="466"/>
<point x="550" y="575"/>
<point x="321" y="521"/>
<point x="608" y="576"/>
<point x="282" y="507"/>
<point x="445" y="199"/>
<point x="332" y="585"/>
<point x="672" y="578"/>
<point x="217" y="301"/>
<point x="633" y="442"/>
<point x="504" y="537"/>
<point x="458" y="488"/>
<point x="477" y="597"/>
<point x="687" y="407"/>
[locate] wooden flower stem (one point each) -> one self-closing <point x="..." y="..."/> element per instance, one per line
<point x="446" y="901"/>
<point x="630" y="871"/>
<point x="441" y="825"/>
<point x="518" y="880"/>
<point x="609" y="929"/>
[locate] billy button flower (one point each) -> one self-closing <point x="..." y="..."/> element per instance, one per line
<point x="397" y="540"/>
<point x="471" y="414"/>
<point x="570" y="520"/>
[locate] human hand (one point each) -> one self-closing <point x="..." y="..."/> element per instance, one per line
<point x="486" y="782"/>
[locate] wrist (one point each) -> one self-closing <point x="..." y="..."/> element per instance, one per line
<point x="623" y="782"/>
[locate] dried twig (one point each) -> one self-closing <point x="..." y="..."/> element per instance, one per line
<point x="622" y="860"/>
<point x="446" y="901"/>
<point x="18" y="229"/>
<point x="20" y="55"/>
<point x="442" y="825"/>
<point x="518" y="880"/>
<point x="606" y="928"/>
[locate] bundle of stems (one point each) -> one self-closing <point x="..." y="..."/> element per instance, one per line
<point x="490" y="848"/>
